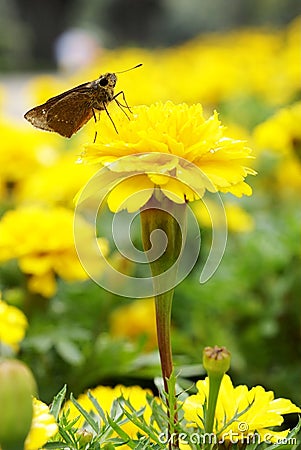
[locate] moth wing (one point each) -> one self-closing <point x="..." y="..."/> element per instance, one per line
<point x="39" y="115"/>
<point x="70" y="113"/>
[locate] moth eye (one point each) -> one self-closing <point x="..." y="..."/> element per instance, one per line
<point x="103" y="82"/>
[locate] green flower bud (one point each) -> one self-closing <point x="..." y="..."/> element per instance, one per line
<point x="216" y="360"/>
<point x="84" y="437"/>
<point x="17" y="386"/>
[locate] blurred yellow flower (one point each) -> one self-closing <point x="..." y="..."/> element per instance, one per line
<point x="238" y="220"/>
<point x="253" y="62"/>
<point x="240" y="412"/>
<point x="13" y="324"/>
<point x="178" y="131"/>
<point x="135" y="320"/>
<point x="42" y="241"/>
<point x="23" y="151"/>
<point x="57" y="184"/>
<point x="43" y="426"/>
<point x="42" y="87"/>
<point x="281" y="135"/>
<point x="105" y="396"/>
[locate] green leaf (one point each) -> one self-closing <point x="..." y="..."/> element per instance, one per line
<point x="126" y="438"/>
<point x="57" y="402"/>
<point x="94" y="425"/>
<point x="69" y="352"/>
<point x="54" y="445"/>
<point x="97" y="406"/>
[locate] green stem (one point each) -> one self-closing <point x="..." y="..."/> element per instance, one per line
<point x="163" y="305"/>
<point x="158" y="215"/>
<point x="216" y="362"/>
<point x="214" y="386"/>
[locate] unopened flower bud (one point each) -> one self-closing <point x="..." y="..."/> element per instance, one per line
<point x="17" y="386"/>
<point x="84" y="436"/>
<point x="216" y="360"/>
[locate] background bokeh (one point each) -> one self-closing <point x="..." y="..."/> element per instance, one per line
<point x="29" y="28"/>
<point x="240" y="58"/>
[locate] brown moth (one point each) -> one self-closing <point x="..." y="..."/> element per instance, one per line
<point x="68" y="112"/>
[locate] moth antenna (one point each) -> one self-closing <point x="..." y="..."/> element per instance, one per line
<point x="132" y="68"/>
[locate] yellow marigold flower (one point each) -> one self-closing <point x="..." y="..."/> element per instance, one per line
<point x="42" y="241"/>
<point x="13" y="324"/>
<point x="43" y="426"/>
<point x="182" y="133"/>
<point x="240" y="412"/>
<point x="105" y="396"/>
<point x="134" y="320"/>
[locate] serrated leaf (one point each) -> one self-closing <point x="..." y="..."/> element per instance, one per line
<point x="94" y="425"/>
<point x="126" y="438"/>
<point x="97" y="406"/>
<point x="57" y="402"/>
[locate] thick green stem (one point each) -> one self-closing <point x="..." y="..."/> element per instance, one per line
<point x="166" y="216"/>
<point x="163" y="316"/>
<point x="170" y="218"/>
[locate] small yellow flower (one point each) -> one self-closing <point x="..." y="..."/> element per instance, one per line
<point x="182" y="133"/>
<point x="105" y="396"/>
<point x="43" y="426"/>
<point x="13" y="324"/>
<point x="134" y="320"/>
<point x="42" y="241"/>
<point x="240" y="412"/>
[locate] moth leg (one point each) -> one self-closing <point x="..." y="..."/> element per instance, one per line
<point x="106" y="110"/>
<point x="95" y="120"/>
<point x="124" y="99"/>
<point x="121" y="106"/>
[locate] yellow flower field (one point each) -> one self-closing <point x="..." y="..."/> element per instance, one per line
<point x="207" y="131"/>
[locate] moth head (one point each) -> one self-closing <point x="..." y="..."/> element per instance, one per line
<point x="107" y="80"/>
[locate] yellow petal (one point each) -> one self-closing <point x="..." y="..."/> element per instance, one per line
<point x="131" y="194"/>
